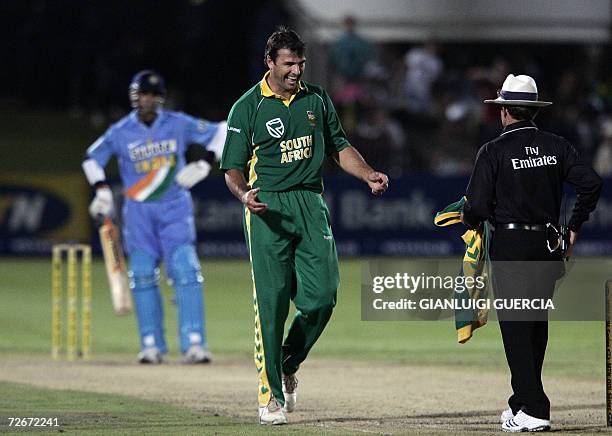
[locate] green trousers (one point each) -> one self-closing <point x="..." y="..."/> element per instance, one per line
<point x="293" y="258"/>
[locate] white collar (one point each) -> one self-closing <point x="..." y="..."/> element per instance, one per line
<point x="520" y="128"/>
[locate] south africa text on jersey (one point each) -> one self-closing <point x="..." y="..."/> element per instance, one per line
<point x="296" y="149"/>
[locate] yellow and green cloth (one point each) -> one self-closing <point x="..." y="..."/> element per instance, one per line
<point x="474" y="265"/>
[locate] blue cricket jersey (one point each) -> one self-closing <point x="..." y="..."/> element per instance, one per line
<point x="150" y="156"/>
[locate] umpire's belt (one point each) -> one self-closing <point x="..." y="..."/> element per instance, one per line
<point x="520" y="226"/>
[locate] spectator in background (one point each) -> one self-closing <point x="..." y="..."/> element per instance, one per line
<point x="350" y="53"/>
<point x="494" y="74"/>
<point x="423" y="67"/>
<point x="381" y="139"/>
<point x="485" y="82"/>
<point x="452" y="150"/>
<point x="349" y="56"/>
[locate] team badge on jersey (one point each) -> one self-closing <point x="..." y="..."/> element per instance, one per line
<point x="275" y="127"/>
<point x="312" y="118"/>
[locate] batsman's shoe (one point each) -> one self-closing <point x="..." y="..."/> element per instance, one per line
<point x="196" y="354"/>
<point x="150" y="355"/>
<point x="272" y="414"/>
<point x="290" y="383"/>
<point x="506" y="415"/>
<point x="523" y="422"/>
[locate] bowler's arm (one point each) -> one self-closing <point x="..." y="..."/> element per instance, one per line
<point x="351" y="161"/>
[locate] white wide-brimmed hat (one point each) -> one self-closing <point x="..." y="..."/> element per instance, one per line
<point x="519" y="91"/>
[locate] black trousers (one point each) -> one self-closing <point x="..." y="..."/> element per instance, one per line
<point x="523" y="268"/>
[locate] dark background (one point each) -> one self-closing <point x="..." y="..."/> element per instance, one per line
<point x="82" y="54"/>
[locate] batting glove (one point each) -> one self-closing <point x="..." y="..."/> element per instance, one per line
<point x="102" y="204"/>
<point x="193" y="173"/>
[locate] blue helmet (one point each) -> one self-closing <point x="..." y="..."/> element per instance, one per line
<point x="146" y="81"/>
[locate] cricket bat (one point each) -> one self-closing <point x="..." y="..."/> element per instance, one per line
<point x="116" y="269"/>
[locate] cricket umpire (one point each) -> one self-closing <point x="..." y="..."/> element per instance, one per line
<point x="280" y="131"/>
<point x="517" y="185"/>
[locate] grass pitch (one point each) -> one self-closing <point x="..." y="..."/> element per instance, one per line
<point x="576" y="350"/>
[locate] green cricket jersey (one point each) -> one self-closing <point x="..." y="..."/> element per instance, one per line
<point x="282" y="142"/>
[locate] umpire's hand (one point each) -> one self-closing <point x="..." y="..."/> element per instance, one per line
<point x="572" y="241"/>
<point x="249" y="199"/>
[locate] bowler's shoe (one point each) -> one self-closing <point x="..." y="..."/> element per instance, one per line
<point x="272" y="414"/>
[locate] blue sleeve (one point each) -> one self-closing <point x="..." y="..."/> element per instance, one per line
<point x="102" y="150"/>
<point x="199" y="131"/>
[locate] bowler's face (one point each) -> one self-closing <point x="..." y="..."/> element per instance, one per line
<point x="287" y="70"/>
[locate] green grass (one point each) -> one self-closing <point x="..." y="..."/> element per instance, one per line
<point x="80" y="411"/>
<point x="575" y="348"/>
<point x="89" y="413"/>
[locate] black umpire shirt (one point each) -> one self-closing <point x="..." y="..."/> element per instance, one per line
<point x="518" y="178"/>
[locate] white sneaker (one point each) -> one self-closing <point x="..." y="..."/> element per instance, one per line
<point x="150" y="355"/>
<point x="506" y="415"/>
<point x="272" y="414"/>
<point x="523" y="422"/>
<point x="196" y="354"/>
<point x="290" y="383"/>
